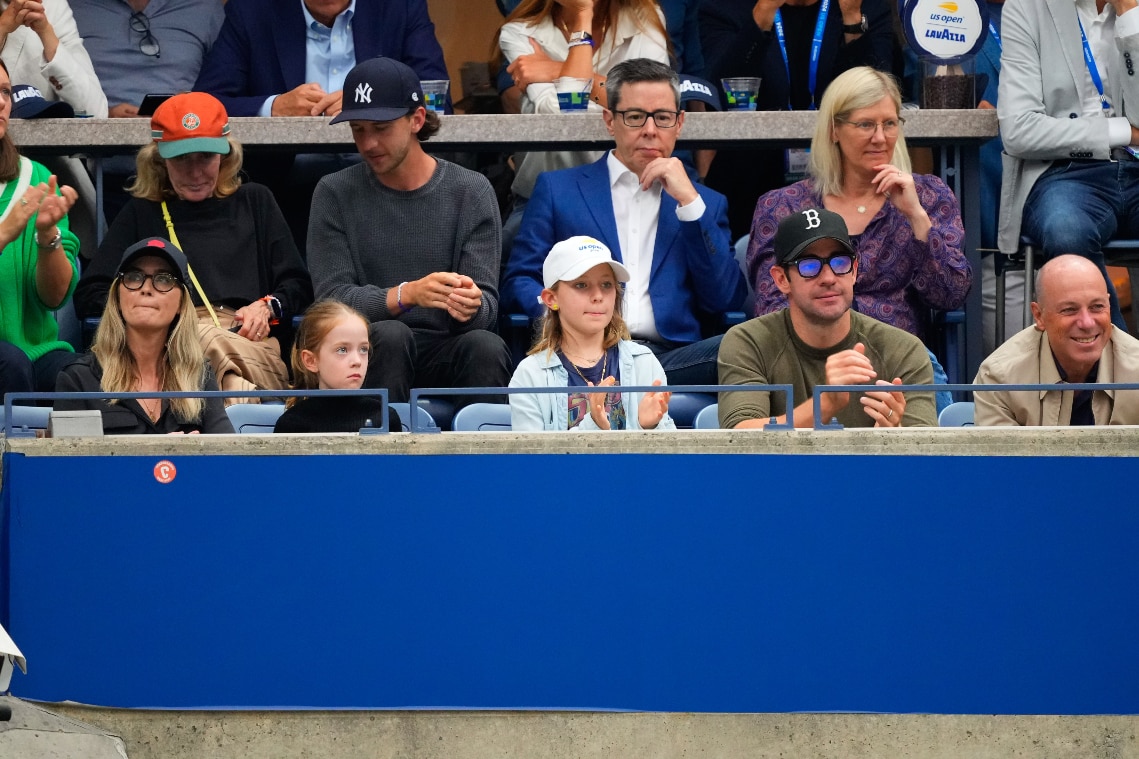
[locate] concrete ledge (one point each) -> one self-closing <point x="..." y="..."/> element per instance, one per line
<point x="968" y="441"/>
<point x="35" y="732"/>
<point x="558" y="735"/>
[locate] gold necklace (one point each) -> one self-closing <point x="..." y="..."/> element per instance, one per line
<point x="604" y="366"/>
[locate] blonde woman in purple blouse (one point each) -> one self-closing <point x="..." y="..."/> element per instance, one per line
<point x="906" y="228"/>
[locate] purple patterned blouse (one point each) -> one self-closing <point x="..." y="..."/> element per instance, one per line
<point x="899" y="278"/>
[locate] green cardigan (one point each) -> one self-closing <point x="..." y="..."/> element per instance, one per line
<point x="24" y="319"/>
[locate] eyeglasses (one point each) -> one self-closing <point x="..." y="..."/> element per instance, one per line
<point x="163" y="281"/>
<point x="148" y="45"/>
<point x="636" y="119"/>
<point x="810" y="267"/>
<point x="889" y="126"/>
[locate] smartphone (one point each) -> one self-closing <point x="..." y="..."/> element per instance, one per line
<point x="150" y="102"/>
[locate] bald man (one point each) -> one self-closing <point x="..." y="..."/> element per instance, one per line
<point x="1071" y="340"/>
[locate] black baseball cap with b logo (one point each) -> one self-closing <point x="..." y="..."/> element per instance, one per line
<point x="379" y="89"/>
<point x="802" y="228"/>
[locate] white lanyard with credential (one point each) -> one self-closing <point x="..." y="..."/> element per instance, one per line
<point x="1092" y="69"/>
<point x="816" y="50"/>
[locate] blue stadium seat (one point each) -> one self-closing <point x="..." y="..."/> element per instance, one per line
<point x="482" y="417"/>
<point x="708" y="418"/>
<point x="254" y="418"/>
<point x="683" y="408"/>
<point x="956" y="415"/>
<point x="32" y="417"/>
<point x="404" y="411"/>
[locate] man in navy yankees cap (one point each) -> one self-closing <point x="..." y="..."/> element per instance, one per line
<point x="411" y="241"/>
<point x="819" y="340"/>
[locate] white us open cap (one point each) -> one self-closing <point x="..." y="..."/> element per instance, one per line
<point x="571" y="258"/>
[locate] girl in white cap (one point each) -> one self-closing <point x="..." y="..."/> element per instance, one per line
<point x="585" y="343"/>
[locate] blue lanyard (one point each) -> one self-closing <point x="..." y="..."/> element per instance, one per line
<point x="996" y="36"/>
<point x="816" y="49"/>
<point x="1092" y="69"/>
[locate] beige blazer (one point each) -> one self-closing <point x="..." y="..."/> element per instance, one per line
<point x="1038" y="104"/>
<point x="1026" y="358"/>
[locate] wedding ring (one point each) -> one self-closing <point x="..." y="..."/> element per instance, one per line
<point x="23" y="201"/>
<point x="890" y="415"/>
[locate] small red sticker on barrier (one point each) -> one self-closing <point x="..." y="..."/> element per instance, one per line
<point x="165" y="472"/>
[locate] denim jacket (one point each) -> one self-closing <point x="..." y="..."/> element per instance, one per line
<point x="550" y="411"/>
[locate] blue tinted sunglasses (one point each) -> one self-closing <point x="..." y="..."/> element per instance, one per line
<point x="810" y="267"/>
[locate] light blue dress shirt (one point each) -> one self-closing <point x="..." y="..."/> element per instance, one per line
<point x="329" y="53"/>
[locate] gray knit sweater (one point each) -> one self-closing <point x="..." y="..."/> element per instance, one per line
<point x="364" y="238"/>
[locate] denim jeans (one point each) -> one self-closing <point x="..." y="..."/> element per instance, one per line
<point x="1077" y="206"/>
<point x="692" y="364"/>
<point x="19" y="374"/>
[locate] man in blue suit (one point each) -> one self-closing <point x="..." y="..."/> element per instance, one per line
<point x="639" y="201"/>
<point x="290" y="57"/>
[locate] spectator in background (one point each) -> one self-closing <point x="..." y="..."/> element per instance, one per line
<point x="1072" y="340"/>
<point x="544" y="40"/>
<point x="290" y="57"/>
<point x="639" y="201"/>
<point x="147" y="340"/>
<point x="906" y="228"/>
<point x="1067" y="112"/>
<point x="286" y="58"/>
<point x="41" y="47"/>
<point x="140" y="47"/>
<point x="250" y="277"/>
<point x="740" y="38"/>
<point x="411" y="241"/>
<point x="38" y="266"/>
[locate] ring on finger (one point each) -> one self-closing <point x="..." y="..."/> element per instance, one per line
<point x="890" y="415"/>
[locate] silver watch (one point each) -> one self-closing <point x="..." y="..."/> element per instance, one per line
<point x="53" y="244"/>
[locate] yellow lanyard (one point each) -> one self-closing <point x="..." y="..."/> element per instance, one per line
<point x="189" y="269"/>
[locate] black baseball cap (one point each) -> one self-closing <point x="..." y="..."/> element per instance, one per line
<point x="161" y="247"/>
<point x="29" y="103"/>
<point x="379" y="89"/>
<point x="802" y="228"/>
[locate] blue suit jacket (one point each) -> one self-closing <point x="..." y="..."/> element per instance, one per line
<point x="260" y="50"/>
<point x="693" y="263"/>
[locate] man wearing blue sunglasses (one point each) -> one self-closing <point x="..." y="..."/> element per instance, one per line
<point x="819" y="340"/>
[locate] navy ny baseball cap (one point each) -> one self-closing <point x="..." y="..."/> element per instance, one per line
<point x="379" y="89"/>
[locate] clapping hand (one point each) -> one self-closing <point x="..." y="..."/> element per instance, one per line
<point x="653" y="408"/>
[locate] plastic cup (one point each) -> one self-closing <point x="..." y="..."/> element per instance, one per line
<point x="435" y="94"/>
<point x="740" y="92"/>
<point x="573" y="93"/>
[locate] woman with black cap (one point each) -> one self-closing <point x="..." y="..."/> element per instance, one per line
<point x="147" y="341"/>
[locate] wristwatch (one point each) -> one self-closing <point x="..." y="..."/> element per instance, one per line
<point x="581" y="38"/>
<point x="860" y="28"/>
<point x="53" y="244"/>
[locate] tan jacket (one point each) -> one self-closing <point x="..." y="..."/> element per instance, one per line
<point x="1026" y="358"/>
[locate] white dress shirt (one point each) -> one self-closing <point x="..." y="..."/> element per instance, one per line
<point x="637" y="212"/>
<point x="1100" y="29"/>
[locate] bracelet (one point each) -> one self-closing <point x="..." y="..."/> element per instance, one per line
<point x="275" y="311"/>
<point x="399" y="299"/>
<point x="580" y="43"/>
